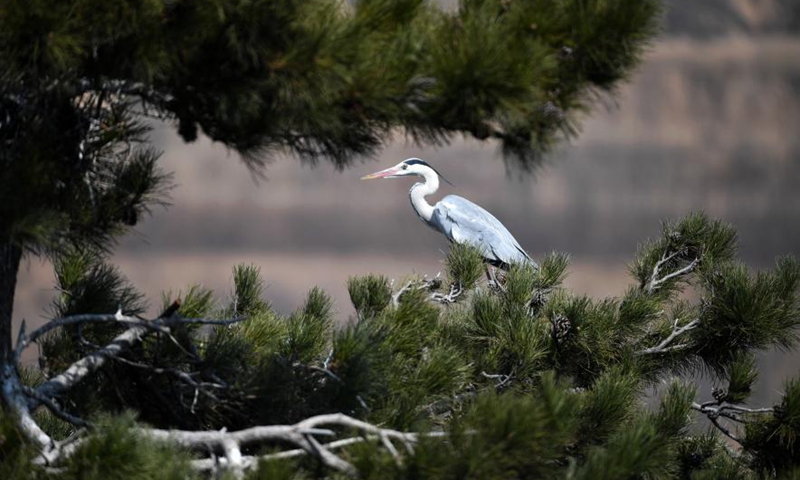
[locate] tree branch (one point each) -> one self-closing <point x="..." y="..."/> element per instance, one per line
<point x="122" y="342"/>
<point x="301" y="434"/>
<point x="713" y="410"/>
<point x="456" y="290"/>
<point x="656" y="282"/>
<point x="90" y="363"/>
<point x="665" y="346"/>
<point x="54" y="408"/>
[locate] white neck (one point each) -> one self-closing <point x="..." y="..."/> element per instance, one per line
<point x="421" y="190"/>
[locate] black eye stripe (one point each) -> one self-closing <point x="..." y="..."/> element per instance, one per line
<point x="415" y="161"/>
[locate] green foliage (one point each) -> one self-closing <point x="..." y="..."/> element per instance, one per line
<point x="694" y="237"/>
<point x="197" y="302"/>
<point x="607" y="405"/>
<point x="16" y="452"/>
<point x="464" y="264"/>
<point x="775" y="438"/>
<point x="647" y="445"/>
<point x="672" y="418"/>
<point x="634" y="451"/>
<point x="90" y="285"/>
<point x="369" y="295"/>
<point x="552" y="271"/>
<point x="117" y="453"/>
<point x="248" y="288"/>
<point x="287" y="470"/>
<point x="743" y="312"/>
<point x="309" y="328"/>
<point x="741" y="373"/>
<point x="524" y="378"/>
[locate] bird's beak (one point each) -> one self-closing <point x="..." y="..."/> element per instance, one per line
<point x="389" y="172"/>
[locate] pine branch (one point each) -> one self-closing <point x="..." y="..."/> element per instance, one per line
<point x="54" y="408"/>
<point x="456" y="290"/>
<point x="80" y="369"/>
<point x="713" y="410"/>
<point x="665" y="345"/>
<point x="162" y="324"/>
<point x="301" y="434"/>
<point x="656" y="281"/>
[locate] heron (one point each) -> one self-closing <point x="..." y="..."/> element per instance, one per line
<point x="458" y="219"/>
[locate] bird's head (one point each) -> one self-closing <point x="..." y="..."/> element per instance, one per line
<point x="409" y="166"/>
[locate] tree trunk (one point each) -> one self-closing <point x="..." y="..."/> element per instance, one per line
<point x="10" y="256"/>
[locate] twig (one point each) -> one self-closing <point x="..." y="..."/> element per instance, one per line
<point x="713" y="415"/>
<point x="665" y="346"/>
<point x="725" y="430"/>
<point x="421" y="284"/>
<point x="180" y="375"/>
<point x="501" y="378"/>
<point x="655" y="282"/>
<point x="54" y="408"/>
<point x="455" y="291"/>
<point x="713" y="410"/>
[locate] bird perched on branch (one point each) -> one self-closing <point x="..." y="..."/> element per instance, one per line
<point x="460" y="220"/>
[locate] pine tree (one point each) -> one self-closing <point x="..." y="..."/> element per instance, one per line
<point x="322" y="79"/>
<point x="432" y="378"/>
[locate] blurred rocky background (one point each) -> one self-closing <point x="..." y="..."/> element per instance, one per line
<point x="711" y="122"/>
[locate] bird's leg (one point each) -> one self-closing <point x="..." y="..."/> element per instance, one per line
<point x="494" y="282"/>
<point x="491" y="276"/>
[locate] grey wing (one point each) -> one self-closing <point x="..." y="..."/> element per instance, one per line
<point x="462" y="221"/>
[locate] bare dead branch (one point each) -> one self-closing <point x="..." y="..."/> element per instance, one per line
<point x="413" y="285"/>
<point x="455" y="291"/>
<point x="16" y="401"/>
<point x="302" y="435"/>
<point x="713" y="410"/>
<point x="713" y="415"/>
<point x="737" y="408"/>
<point x="501" y="379"/>
<point x="161" y="324"/>
<point x="54" y="408"/>
<point x="665" y="346"/>
<point x="90" y="363"/>
<point x="656" y="281"/>
<point x="122" y="342"/>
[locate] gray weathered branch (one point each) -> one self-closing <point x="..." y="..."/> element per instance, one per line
<point x="301" y="435"/>
<point x="656" y="281"/>
<point x="93" y="361"/>
<point x="713" y="410"/>
<point x="455" y="291"/>
<point x="666" y="344"/>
